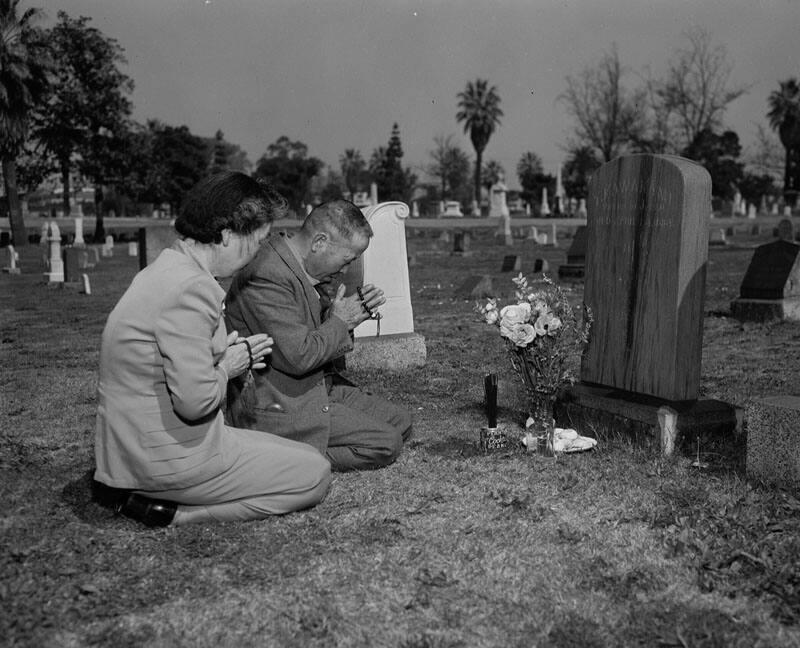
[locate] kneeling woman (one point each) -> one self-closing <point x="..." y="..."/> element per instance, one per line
<point x="162" y="449"/>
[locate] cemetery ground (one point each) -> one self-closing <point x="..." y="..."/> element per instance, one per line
<point x="448" y="547"/>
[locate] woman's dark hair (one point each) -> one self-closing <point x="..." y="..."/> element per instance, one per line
<point x="228" y="200"/>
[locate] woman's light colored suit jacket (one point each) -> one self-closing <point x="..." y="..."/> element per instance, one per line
<point x="159" y="422"/>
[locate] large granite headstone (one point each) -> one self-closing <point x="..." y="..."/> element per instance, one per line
<point x="385" y="264"/>
<point x="770" y="288"/>
<point x="647" y="248"/>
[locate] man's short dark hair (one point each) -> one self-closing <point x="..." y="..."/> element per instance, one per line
<point x="339" y="217"/>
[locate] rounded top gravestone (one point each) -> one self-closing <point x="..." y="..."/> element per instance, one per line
<point x="646" y="260"/>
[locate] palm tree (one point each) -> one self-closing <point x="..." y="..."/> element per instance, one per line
<point x="784" y="117"/>
<point x="24" y="79"/>
<point x="479" y="109"/>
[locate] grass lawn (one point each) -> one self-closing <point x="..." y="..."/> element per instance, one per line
<point x="447" y="547"/>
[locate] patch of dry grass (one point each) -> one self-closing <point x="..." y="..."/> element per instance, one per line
<point x="446" y="548"/>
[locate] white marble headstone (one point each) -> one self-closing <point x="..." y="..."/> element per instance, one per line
<point x="385" y="264"/>
<point x="55" y="262"/>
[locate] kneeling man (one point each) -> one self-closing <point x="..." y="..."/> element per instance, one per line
<point x="300" y="395"/>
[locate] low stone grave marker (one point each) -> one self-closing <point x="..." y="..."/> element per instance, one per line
<point x="773" y="440"/>
<point x="9" y="259"/>
<point x="476" y="287"/>
<point x="452" y="209"/>
<point x="72" y="264"/>
<point x="133" y="248"/>
<point x="785" y="230"/>
<point x="108" y="248"/>
<point x="541" y="265"/>
<point x="575" y="267"/>
<point x="87" y="287"/>
<point x="93" y="256"/>
<point x="717" y="237"/>
<point x="511" y="263"/>
<point x="770" y="288"/>
<point x="646" y="256"/>
<point x="461" y="243"/>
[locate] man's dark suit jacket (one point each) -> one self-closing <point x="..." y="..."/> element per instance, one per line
<point x="289" y="398"/>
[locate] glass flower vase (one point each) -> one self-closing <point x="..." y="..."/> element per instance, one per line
<point x="542" y="427"/>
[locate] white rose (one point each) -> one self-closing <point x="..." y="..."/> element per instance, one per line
<point x="521" y="334"/>
<point x="515" y="314"/>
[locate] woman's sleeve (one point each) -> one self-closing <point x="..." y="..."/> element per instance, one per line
<point x="184" y="334"/>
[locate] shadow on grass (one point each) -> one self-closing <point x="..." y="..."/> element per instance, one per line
<point x="452" y="447"/>
<point x="79" y="496"/>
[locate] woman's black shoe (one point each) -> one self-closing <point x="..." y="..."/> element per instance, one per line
<point x="150" y="512"/>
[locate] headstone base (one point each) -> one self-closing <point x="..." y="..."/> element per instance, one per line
<point x="762" y="310"/>
<point x="394" y="352"/>
<point x="571" y="271"/>
<point x="773" y="432"/>
<point x="606" y="413"/>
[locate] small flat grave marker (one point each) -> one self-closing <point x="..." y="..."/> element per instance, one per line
<point x="541" y="265"/>
<point x="717" y="237"/>
<point x="511" y="263"/>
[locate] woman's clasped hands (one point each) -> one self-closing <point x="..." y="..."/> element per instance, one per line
<point x="245" y="353"/>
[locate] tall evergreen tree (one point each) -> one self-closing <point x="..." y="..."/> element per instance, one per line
<point x="393" y="181"/>
<point x="88" y="102"/>
<point x="479" y="110"/>
<point x="25" y="67"/>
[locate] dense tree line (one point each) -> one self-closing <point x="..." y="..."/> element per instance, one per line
<point x="65" y="108"/>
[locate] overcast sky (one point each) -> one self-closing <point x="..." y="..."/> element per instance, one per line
<point x="337" y="74"/>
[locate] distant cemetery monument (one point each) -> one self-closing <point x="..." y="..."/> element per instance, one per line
<point x="498" y="207"/>
<point x="646" y="255"/>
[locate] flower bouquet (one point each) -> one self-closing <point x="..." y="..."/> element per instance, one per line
<point x="541" y="333"/>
